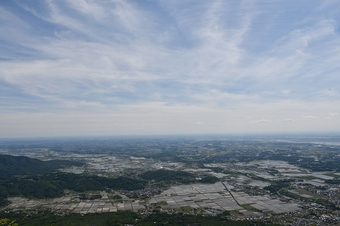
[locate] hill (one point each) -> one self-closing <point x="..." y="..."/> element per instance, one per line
<point x="21" y="165"/>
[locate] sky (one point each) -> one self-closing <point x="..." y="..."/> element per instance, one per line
<point x="151" y="67"/>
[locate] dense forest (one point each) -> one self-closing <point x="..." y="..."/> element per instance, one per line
<point x="20" y="175"/>
<point x="53" y="184"/>
<point x="167" y="175"/>
<point x="21" y="165"/>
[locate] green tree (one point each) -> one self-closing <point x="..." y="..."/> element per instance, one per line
<point x="7" y="222"/>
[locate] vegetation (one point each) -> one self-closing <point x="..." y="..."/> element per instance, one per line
<point x="251" y="208"/>
<point x="21" y="165"/>
<point x="116" y="197"/>
<point x="7" y="222"/>
<point x="126" y="218"/>
<point x="4" y="202"/>
<point x="277" y="186"/>
<point x="333" y="181"/>
<point x="215" y="169"/>
<point x="168" y="175"/>
<point x="53" y="185"/>
<point x="321" y="201"/>
<point x="209" y="179"/>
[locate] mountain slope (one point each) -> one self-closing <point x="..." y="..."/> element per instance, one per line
<point x="21" y="165"/>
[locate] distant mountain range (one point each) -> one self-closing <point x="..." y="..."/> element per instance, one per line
<point x="21" y="165"/>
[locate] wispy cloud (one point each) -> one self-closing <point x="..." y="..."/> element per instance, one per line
<point x="332" y="115"/>
<point x="212" y="60"/>
<point x="262" y="121"/>
<point x="309" y="117"/>
<point x="287" y="120"/>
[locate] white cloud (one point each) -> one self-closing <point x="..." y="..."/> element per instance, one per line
<point x="84" y="118"/>
<point x="199" y="123"/>
<point x="332" y="115"/>
<point x="186" y="61"/>
<point x="287" y="120"/>
<point x="88" y="8"/>
<point x="286" y="92"/>
<point x="309" y="117"/>
<point x="262" y="121"/>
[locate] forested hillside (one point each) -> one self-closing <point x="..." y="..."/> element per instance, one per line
<point x="21" y="165"/>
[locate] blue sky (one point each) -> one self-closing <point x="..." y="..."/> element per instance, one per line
<point x="114" y="67"/>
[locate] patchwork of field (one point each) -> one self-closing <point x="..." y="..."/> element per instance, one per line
<point x="82" y="207"/>
<point x="213" y="198"/>
<point x="217" y="198"/>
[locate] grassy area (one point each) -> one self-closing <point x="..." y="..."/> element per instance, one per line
<point x="305" y="192"/>
<point x="333" y="175"/>
<point x="162" y="203"/>
<point x="251" y="208"/>
<point x="320" y="201"/>
<point x="186" y="209"/>
<point x="307" y="178"/>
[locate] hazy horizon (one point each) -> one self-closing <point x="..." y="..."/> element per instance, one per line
<point x="127" y="68"/>
<point x="246" y="136"/>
